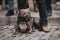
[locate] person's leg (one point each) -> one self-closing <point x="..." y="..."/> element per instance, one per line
<point x="58" y="0"/>
<point x="48" y="6"/>
<point x="0" y="5"/>
<point x="11" y="8"/>
<point x="22" y="4"/>
<point x="43" y="15"/>
<point x="6" y="2"/>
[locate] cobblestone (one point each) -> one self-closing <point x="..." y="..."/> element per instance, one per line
<point x="6" y="34"/>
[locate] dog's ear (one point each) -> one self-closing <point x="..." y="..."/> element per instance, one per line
<point x="18" y="11"/>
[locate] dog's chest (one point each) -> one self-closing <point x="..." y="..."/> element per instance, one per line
<point x="23" y="25"/>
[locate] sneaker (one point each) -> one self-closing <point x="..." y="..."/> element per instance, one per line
<point x="10" y="13"/>
<point x="45" y="29"/>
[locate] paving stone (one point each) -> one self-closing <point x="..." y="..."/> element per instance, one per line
<point x="54" y="27"/>
<point x="20" y="37"/>
<point x="55" y="35"/>
<point x="33" y="35"/>
<point x="4" y="32"/>
<point x="11" y="20"/>
<point x="7" y="36"/>
<point x="58" y="39"/>
<point x="47" y="35"/>
<point x="2" y="21"/>
<point x="37" y="37"/>
<point x="10" y="38"/>
<point x="11" y="27"/>
<point x="30" y="36"/>
<point x="5" y="26"/>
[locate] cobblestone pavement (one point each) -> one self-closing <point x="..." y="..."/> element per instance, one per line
<point x="7" y="31"/>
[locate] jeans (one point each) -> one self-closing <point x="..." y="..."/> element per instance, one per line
<point x="42" y="12"/>
<point x="48" y="6"/>
<point x="11" y="4"/>
<point x="22" y="4"/>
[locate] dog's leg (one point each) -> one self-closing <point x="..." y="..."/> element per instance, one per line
<point x="30" y="24"/>
<point x="16" y="30"/>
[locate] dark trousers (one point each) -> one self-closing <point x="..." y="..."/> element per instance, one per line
<point x="6" y="2"/>
<point x="0" y="2"/>
<point x="48" y="6"/>
<point x="22" y="4"/>
<point x="42" y="12"/>
<point x="11" y="4"/>
<point x="58" y="0"/>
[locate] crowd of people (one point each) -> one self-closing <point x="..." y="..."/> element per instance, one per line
<point x="44" y="7"/>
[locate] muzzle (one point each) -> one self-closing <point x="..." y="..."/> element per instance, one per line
<point x="25" y="17"/>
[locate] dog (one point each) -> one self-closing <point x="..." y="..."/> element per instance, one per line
<point x="25" y="21"/>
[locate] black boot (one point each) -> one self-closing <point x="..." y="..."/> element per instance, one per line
<point x="10" y="13"/>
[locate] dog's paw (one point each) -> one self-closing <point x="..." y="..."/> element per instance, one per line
<point x="30" y="31"/>
<point x="14" y="35"/>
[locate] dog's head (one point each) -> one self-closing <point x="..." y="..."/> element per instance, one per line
<point x="24" y="14"/>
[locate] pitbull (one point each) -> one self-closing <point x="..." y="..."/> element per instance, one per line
<point x="25" y="21"/>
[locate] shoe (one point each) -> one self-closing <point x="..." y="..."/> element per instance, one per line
<point x="45" y="29"/>
<point x="10" y="13"/>
<point x="0" y="7"/>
